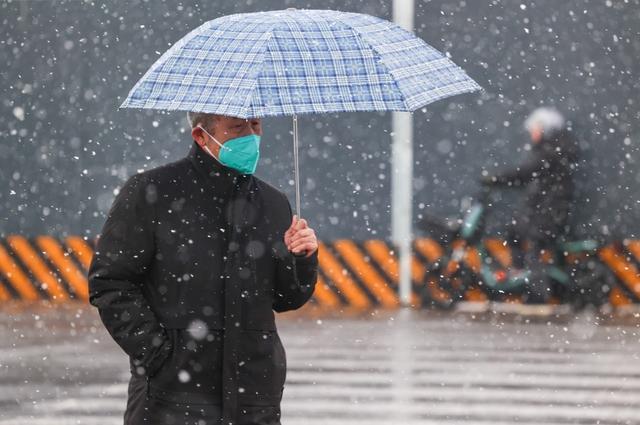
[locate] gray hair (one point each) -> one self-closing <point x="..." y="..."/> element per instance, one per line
<point x="545" y="118"/>
<point x="203" y="118"/>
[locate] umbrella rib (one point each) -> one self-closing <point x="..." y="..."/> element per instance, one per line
<point x="363" y="40"/>
<point x="249" y="104"/>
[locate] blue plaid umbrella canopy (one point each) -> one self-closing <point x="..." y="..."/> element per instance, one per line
<point x="290" y="62"/>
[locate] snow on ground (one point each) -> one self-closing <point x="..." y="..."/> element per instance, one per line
<point x="405" y="367"/>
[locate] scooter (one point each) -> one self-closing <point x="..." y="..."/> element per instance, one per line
<point x="473" y="262"/>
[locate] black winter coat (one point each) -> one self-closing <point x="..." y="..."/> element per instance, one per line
<point x="188" y="269"/>
<point x="548" y="177"/>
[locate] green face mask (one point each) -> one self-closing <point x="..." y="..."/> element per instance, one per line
<point x="241" y="153"/>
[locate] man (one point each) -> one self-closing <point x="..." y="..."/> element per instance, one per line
<point x="191" y="263"/>
<point x="547" y="174"/>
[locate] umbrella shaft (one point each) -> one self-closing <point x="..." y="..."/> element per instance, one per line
<point x="296" y="164"/>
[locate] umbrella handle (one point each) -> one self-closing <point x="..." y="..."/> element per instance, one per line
<point x="296" y="164"/>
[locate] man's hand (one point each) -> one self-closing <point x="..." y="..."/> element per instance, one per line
<point x="300" y="238"/>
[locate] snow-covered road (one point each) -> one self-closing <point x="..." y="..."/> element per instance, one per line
<point x="60" y="367"/>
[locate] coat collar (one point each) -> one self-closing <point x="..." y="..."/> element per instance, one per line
<point x="211" y="169"/>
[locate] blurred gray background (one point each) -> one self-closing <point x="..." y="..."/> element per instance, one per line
<point x="67" y="65"/>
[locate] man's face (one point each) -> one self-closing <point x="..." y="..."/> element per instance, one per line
<point x="227" y="128"/>
<point x="224" y="129"/>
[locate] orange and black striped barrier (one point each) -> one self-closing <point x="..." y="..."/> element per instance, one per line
<point x="44" y="268"/>
<point x="361" y="275"/>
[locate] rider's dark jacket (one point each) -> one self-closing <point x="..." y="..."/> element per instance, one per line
<point x="548" y="176"/>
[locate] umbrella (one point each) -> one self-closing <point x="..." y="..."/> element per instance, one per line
<point x="290" y="62"/>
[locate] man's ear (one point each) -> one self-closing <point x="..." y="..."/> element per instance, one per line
<point x="198" y="135"/>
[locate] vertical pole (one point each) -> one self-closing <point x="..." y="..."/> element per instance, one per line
<point x="402" y="171"/>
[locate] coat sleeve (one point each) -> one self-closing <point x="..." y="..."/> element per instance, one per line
<point x="123" y="253"/>
<point x="296" y="278"/>
<point x="521" y="175"/>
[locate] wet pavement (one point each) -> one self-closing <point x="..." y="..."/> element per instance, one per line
<point x="59" y="366"/>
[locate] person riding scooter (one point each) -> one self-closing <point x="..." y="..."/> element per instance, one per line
<point x="547" y="175"/>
